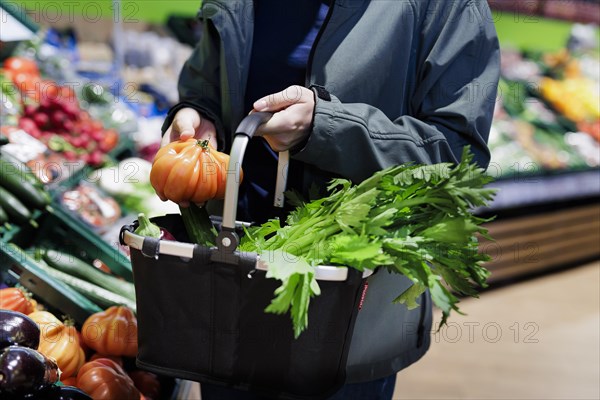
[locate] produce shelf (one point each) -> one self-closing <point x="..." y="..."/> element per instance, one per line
<point x="82" y="241"/>
<point x="16" y="266"/>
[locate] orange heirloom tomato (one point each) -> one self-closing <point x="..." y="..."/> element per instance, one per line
<point x="103" y="379"/>
<point x="189" y="171"/>
<point x="112" y="332"/>
<point x="60" y="342"/>
<point x="16" y="299"/>
<point x="49" y="325"/>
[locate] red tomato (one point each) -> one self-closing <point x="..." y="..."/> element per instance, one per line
<point x="103" y="379"/>
<point x="16" y="299"/>
<point x="21" y="64"/>
<point x="112" y="332"/>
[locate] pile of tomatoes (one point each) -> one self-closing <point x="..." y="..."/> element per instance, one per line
<point x="96" y="359"/>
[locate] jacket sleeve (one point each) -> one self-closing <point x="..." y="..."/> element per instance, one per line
<point x="451" y="107"/>
<point x="199" y="82"/>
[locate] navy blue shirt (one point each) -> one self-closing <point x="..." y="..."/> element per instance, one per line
<point x="283" y="36"/>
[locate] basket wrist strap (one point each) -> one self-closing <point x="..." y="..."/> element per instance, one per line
<point x="283" y="164"/>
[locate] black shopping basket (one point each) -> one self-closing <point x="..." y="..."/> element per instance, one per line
<point x="201" y="310"/>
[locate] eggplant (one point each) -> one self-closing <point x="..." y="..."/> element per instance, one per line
<point x="62" y="393"/>
<point x="24" y="371"/>
<point x="18" y="329"/>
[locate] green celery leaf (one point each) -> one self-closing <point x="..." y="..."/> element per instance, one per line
<point x="300" y="304"/>
<point x="377" y="224"/>
<point x="298" y="285"/>
<point x="284" y="295"/>
<point x="455" y="230"/>
<point x="410" y="296"/>
<point x="358" y="252"/>
<point x="255" y="237"/>
<point x="457" y="282"/>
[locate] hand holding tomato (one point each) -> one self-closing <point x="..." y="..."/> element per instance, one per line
<point x="188" y="124"/>
<point x="189" y="171"/>
<point x="293" y="110"/>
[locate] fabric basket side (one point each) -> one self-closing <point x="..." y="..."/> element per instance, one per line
<point x="205" y="321"/>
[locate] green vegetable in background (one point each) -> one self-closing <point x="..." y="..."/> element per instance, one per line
<point x="415" y="220"/>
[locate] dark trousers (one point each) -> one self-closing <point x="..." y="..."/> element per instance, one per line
<point x="380" y="389"/>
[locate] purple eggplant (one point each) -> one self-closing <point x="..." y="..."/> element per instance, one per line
<point x="24" y="371"/>
<point x="18" y="329"/>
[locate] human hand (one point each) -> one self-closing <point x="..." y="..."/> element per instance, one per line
<point x="188" y="124"/>
<point x="292" y="111"/>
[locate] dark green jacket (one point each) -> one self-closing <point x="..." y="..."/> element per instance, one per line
<point x="404" y="81"/>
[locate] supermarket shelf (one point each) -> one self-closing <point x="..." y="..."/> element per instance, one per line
<point x="542" y="242"/>
<point x="527" y="191"/>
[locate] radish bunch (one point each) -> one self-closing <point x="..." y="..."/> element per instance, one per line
<point x="59" y="122"/>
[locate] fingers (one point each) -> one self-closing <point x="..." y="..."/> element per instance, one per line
<point x="290" y="124"/>
<point x="282" y="100"/>
<point x="185" y="123"/>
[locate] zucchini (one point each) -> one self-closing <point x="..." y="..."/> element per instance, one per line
<point x="198" y="225"/>
<point x="74" y="266"/>
<point x="14" y="208"/>
<point x="12" y="177"/>
<point x="102" y="297"/>
<point x="22" y="168"/>
<point x="3" y="216"/>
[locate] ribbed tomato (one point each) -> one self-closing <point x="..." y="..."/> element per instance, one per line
<point x="189" y="171"/>
<point x="49" y="325"/>
<point x="60" y="342"/>
<point x="116" y="359"/>
<point x="16" y="299"/>
<point x="103" y="379"/>
<point x="112" y="332"/>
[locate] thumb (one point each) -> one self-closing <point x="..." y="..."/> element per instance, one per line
<point x="184" y="126"/>
<point x="185" y="123"/>
<point x="279" y="101"/>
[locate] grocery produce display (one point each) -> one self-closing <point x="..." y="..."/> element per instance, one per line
<point x="52" y="114"/>
<point x="22" y="195"/>
<point x="547" y="116"/>
<point x="43" y="357"/>
<point x="69" y="178"/>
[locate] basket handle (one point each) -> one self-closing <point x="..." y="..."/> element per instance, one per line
<point x="227" y="241"/>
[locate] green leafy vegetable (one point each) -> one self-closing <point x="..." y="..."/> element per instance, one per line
<point x="415" y="220"/>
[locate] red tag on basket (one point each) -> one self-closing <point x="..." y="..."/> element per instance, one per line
<point x="362" y="296"/>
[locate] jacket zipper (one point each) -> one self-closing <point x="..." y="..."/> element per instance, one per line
<point x="314" y="46"/>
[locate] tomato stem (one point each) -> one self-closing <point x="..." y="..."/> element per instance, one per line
<point x="203" y="143"/>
